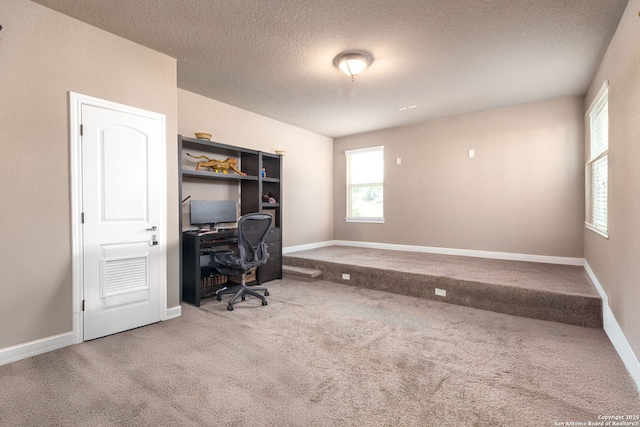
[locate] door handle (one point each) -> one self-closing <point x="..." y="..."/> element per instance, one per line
<point x="154" y="228"/>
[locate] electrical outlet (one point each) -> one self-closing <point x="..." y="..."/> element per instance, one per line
<point x="346" y="276"/>
<point x="441" y="292"/>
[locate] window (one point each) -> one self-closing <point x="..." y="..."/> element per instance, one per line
<point x="365" y="178"/>
<point x="597" y="168"/>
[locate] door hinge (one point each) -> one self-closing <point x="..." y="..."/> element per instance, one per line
<point x="82" y="217"/>
<point x="82" y="305"/>
<point x="81" y="130"/>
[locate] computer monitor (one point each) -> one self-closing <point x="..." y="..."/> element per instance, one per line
<point x="212" y="212"/>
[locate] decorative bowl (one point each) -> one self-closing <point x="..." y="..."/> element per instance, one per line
<point x="202" y="135"/>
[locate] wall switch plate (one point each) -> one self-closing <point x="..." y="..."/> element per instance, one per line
<point x="441" y="292"/>
<point x="346" y="276"/>
<point x="398" y="160"/>
<point x="472" y="153"/>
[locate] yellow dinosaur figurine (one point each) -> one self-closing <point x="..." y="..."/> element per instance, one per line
<point x="218" y="165"/>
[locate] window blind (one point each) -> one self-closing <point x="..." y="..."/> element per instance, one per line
<point x="597" y="168"/>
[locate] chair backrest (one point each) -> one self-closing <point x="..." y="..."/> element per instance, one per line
<point x="252" y="230"/>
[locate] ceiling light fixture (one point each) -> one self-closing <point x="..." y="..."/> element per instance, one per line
<point x="353" y="63"/>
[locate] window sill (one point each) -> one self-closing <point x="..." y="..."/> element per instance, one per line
<point x="595" y="230"/>
<point x="369" y="220"/>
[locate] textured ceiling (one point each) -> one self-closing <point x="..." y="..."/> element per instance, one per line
<point x="448" y="57"/>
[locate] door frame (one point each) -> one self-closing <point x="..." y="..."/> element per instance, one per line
<point x="76" y="101"/>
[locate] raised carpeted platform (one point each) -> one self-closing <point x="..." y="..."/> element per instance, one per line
<point x="559" y="293"/>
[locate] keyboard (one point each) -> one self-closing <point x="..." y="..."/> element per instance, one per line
<point x="229" y="232"/>
<point x="213" y="239"/>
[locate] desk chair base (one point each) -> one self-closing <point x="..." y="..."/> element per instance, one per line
<point x="241" y="291"/>
<point x="252" y="252"/>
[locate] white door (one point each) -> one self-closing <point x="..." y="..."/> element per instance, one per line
<point x="122" y="194"/>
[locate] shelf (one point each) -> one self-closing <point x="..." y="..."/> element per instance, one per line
<point x="218" y="175"/>
<point x="267" y="179"/>
<point x="228" y="150"/>
<point x="270" y="205"/>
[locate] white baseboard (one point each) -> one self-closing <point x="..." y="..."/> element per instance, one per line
<point x="34" y="348"/>
<point x="44" y="345"/>
<point x="615" y="333"/>
<point x="173" y="312"/>
<point x="443" y="251"/>
<point x="307" y="247"/>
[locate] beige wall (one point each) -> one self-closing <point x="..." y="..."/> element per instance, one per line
<point x="523" y="192"/>
<point x="308" y="173"/>
<point x="616" y="260"/>
<point x="45" y="55"/>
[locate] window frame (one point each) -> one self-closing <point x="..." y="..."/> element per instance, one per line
<point x="349" y="214"/>
<point x="597" y="212"/>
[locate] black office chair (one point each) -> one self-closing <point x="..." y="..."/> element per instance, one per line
<point x="252" y="252"/>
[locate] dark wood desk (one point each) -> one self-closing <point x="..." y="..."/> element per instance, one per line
<point x="195" y="249"/>
<point x="195" y="255"/>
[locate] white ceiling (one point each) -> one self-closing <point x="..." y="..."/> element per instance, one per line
<point x="448" y="57"/>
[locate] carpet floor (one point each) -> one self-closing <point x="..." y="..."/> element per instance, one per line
<point x="326" y="354"/>
<point x="564" y="279"/>
<point x="561" y="293"/>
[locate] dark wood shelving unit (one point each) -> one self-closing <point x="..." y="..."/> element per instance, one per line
<point x="252" y="187"/>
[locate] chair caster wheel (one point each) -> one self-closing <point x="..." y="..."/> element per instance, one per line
<point x="264" y="302"/>
<point x="230" y="307"/>
<point x="218" y="297"/>
<point x="243" y="298"/>
<point x="266" y="293"/>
